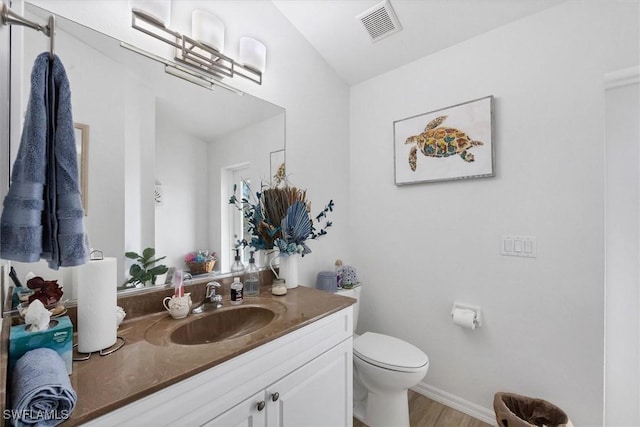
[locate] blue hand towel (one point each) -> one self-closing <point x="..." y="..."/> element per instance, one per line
<point x="43" y="215"/>
<point x="41" y="391"/>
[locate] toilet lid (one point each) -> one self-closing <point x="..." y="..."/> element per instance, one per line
<point x="389" y="352"/>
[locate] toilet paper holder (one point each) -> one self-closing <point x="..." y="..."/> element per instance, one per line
<point x="477" y="319"/>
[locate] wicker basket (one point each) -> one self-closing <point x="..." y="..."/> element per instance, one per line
<point x="201" y="267"/>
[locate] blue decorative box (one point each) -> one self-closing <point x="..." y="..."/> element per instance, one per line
<point x="59" y="337"/>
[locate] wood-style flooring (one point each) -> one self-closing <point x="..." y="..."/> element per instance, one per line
<point x="424" y="412"/>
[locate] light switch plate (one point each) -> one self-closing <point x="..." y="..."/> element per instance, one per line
<point x="521" y="246"/>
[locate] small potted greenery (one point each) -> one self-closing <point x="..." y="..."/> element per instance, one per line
<point x="145" y="271"/>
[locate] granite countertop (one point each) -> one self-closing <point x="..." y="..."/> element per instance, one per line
<point x="148" y="362"/>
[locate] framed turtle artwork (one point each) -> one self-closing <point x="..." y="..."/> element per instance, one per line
<point x="447" y="144"/>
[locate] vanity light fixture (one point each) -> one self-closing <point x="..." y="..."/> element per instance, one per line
<point x="194" y="53"/>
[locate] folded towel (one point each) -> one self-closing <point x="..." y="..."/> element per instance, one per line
<point x="41" y="391"/>
<point x="43" y="215"/>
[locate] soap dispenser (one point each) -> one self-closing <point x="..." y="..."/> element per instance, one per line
<point x="252" y="277"/>
<point x="237" y="267"/>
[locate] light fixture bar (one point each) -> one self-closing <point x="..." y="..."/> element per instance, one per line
<point x="190" y="77"/>
<point x="191" y="52"/>
<point x="153" y="23"/>
<point x="203" y="57"/>
<point x="175" y="66"/>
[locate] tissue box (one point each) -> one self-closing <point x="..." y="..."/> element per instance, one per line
<point x="59" y="337"/>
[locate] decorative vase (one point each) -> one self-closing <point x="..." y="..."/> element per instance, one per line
<point x="264" y="257"/>
<point x="288" y="270"/>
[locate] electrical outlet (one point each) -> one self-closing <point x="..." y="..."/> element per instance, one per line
<point x="522" y="246"/>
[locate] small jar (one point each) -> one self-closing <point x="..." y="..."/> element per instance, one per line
<point x="327" y="281"/>
<point x="278" y="287"/>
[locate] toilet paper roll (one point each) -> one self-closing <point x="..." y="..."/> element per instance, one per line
<point x="465" y="318"/>
<point x="96" y="283"/>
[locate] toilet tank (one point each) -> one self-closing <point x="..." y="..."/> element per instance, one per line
<point x="353" y="293"/>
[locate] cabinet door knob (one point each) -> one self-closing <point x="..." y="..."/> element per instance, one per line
<point x="261" y="405"/>
<point x="275" y="396"/>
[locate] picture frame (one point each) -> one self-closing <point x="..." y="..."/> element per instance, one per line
<point x="82" y="153"/>
<point x="447" y="144"/>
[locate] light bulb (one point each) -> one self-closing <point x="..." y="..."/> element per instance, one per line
<point x="158" y="9"/>
<point x="253" y="54"/>
<point x="208" y="29"/>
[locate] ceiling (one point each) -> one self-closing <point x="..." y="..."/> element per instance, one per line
<point x="427" y="27"/>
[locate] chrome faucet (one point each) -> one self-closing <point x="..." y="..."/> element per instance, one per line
<point x="211" y="299"/>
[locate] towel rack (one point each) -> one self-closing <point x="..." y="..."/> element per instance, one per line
<point x="9" y="17"/>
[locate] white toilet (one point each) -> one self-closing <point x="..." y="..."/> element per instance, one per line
<point x="384" y="369"/>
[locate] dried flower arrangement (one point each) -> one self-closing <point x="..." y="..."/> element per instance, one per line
<point x="278" y="217"/>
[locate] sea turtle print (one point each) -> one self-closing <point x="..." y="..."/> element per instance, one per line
<point x="440" y="141"/>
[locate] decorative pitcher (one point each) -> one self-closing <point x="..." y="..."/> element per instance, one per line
<point x="264" y="257"/>
<point x="288" y="269"/>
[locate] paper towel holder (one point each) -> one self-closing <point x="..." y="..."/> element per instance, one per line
<point x="476" y="309"/>
<point x="120" y="341"/>
<point x="96" y="255"/>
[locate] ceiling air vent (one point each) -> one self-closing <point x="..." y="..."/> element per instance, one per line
<point x="380" y="21"/>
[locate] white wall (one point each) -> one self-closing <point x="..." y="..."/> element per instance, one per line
<point x="622" y="240"/>
<point x="422" y="247"/>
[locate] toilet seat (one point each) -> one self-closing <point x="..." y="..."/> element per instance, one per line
<point x="389" y="353"/>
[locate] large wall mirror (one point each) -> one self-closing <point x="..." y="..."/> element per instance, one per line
<point x="162" y="152"/>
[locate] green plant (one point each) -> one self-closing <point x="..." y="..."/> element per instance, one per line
<point x="145" y="270"/>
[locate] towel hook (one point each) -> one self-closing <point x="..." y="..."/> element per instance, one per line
<point x="51" y="32"/>
<point x="9" y="17"/>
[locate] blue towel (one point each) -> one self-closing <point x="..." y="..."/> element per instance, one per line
<point x="43" y="215"/>
<point x="41" y="392"/>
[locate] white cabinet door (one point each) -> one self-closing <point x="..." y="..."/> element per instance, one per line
<point x="317" y="394"/>
<point x="249" y="413"/>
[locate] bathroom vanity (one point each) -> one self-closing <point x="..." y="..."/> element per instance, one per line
<point x="295" y="370"/>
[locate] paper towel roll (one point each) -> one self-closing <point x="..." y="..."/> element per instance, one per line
<point x="464" y="317"/>
<point x="96" y="283"/>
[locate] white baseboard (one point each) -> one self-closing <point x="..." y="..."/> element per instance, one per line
<point x="457" y="403"/>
